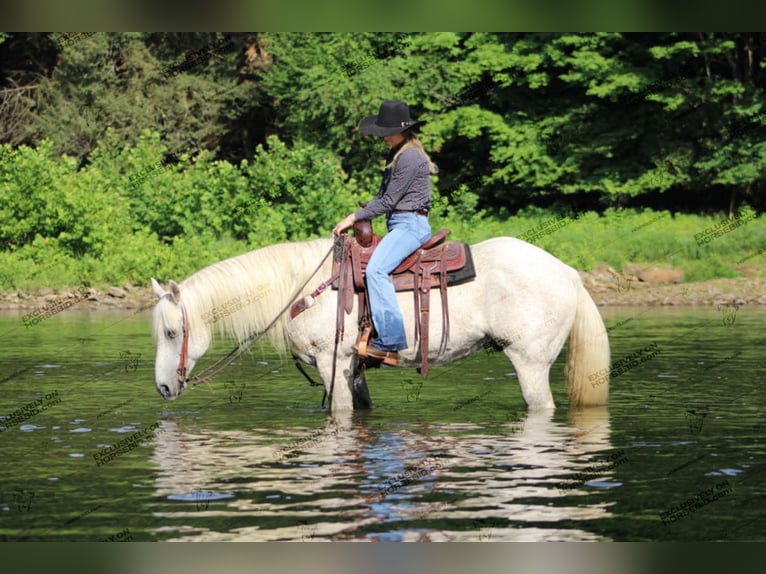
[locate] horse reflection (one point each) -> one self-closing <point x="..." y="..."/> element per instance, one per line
<point x="351" y="476"/>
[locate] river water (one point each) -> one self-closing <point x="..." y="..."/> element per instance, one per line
<point x="677" y="455"/>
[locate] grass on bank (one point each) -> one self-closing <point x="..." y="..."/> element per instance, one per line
<point x="617" y="238"/>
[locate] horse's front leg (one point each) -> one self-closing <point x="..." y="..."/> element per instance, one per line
<point x="349" y="390"/>
<point x="359" y="391"/>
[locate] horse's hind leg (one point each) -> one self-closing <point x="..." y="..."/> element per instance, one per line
<point x="533" y="380"/>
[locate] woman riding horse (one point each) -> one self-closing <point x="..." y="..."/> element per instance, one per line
<point x="404" y="198"/>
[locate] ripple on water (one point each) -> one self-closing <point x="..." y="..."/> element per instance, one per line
<point x="81" y="429"/>
<point x="602" y="484"/>
<point x="201" y="495"/>
<point x="124" y="429"/>
<point x="724" y="471"/>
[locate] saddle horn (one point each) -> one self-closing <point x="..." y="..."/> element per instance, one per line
<point x="363" y="232"/>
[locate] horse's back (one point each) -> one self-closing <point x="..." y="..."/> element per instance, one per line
<point x="525" y="258"/>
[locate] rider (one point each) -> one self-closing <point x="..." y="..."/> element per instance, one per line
<point x="404" y="198"/>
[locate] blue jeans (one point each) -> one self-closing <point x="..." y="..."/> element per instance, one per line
<point x="406" y="232"/>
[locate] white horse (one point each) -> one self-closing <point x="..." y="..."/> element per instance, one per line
<point x="523" y="300"/>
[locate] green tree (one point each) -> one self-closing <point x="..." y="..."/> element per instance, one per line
<point x="668" y="120"/>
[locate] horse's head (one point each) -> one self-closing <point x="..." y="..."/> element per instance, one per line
<point x="178" y="345"/>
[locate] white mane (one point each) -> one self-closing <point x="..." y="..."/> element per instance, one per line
<point x="241" y="295"/>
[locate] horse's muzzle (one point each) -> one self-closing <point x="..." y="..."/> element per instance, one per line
<point x="165" y="393"/>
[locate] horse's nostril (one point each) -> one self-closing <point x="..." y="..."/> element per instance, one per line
<point x="164" y="391"/>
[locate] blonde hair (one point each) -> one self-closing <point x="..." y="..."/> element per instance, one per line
<point x="411" y="140"/>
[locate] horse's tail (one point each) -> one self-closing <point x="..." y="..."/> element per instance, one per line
<point x="587" y="368"/>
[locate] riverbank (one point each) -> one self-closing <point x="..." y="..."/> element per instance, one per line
<point x="654" y="287"/>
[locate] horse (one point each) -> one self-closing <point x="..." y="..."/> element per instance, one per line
<point x="523" y="301"/>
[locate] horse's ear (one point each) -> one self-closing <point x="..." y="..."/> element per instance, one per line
<point x="158" y="290"/>
<point x="175" y="291"/>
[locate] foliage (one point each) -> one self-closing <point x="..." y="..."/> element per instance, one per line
<point x="600" y="119"/>
<point x="127" y="214"/>
<point x="121" y="82"/>
<point x="672" y="120"/>
<point x="302" y="191"/>
<point x="623" y="237"/>
<point x="130" y="152"/>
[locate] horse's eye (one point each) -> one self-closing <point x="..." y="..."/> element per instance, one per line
<point x="171" y="333"/>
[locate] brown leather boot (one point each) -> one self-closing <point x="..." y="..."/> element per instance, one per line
<point x="390" y="358"/>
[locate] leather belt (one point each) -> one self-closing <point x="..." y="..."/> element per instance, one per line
<point x="418" y="211"/>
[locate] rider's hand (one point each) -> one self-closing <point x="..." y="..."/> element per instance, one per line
<point x="344" y="224"/>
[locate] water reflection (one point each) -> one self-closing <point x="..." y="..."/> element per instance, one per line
<point x="354" y="478"/>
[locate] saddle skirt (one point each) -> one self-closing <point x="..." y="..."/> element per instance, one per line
<point x="434" y="258"/>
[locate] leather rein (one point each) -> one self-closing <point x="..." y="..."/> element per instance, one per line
<point x="204" y="375"/>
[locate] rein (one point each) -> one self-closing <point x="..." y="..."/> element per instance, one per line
<point x="204" y="375"/>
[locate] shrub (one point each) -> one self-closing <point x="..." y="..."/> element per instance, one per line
<point x="133" y="212"/>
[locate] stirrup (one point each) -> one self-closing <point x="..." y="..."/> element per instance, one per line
<point x="364" y="340"/>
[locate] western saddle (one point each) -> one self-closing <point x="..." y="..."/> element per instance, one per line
<point x="437" y="263"/>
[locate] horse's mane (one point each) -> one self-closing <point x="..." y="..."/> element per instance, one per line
<point x="264" y="280"/>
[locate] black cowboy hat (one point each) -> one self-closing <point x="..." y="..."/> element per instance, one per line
<point x="393" y="118"/>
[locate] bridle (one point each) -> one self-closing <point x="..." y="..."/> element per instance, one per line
<point x="183" y="360"/>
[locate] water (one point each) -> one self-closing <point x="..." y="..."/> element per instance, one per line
<point x="253" y="456"/>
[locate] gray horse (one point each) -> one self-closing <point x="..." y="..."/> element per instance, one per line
<point x="523" y="300"/>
